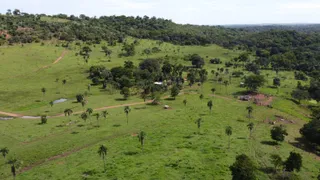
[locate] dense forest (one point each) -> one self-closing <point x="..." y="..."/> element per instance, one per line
<point x="275" y="47"/>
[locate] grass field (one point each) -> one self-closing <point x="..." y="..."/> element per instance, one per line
<point x="66" y="148"/>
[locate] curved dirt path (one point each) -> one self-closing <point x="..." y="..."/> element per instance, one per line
<point x="44" y="67"/>
<point x="78" y="112"/>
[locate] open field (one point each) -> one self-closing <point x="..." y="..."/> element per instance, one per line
<point x="66" y="148"/>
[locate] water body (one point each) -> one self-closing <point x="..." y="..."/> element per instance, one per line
<point x="60" y="101"/>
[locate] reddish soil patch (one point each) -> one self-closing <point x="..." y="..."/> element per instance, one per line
<point x="5" y="32"/>
<point x="262" y="99"/>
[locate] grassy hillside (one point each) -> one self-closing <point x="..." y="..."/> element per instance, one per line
<point x="66" y="147"/>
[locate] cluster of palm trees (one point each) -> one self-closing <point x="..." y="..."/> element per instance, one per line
<point x="13" y="162"/>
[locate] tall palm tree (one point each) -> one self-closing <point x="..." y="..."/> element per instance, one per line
<point x="51" y="103"/>
<point x="4" y="151"/>
<point x="83" y="103"/>
<point x="43" y="90"/>
<point x="15" y="164"/>
<point x="84" y="116"/>
<point x="226" y="84"/>
<point x="249" y="109"/>
<point x="250" y="127"/>
<point x="198" y="122"/>
<point x="103" y="153"/>
<point x="142" y="136"/>
<point x="104" y="114"/>
<point x="201" y="96"/>
<point x="228" y="133"/>
<point x="44" y="119"/>
<point x="127" y="111"/>
<point x="89" y="111"/>
<point x="68" y="112"/>
<point x="210" y="104"/>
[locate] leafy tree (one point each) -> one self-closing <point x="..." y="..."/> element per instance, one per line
<point x="276" y="82"/>
<point x="201" y="96"/>
<point x="151" y="65"/>
<point x="142" y="136"/>
<point x="210" y="104"/>
<point x="254" y="82"/>
<point x="125" y="91"/>
<point x="89" y="111"/>
<point x="249" y="109"/>
<point x="185" y="102"/>
<point x="127" y="110"/>
<point x="311" y="130"/>
<point x="314" y="89"/>
<point x="243" y="168"/>
<point x="276" y="160"/>
<point x="104" y="114"/>
<point x="64" y="81"/>
<point x="213" y="90"/>
<point x="84" y="116"/>
<point x="175" y="91"/>
<point x="44" y="119"/>
<point x="51" y="103"/>
<point x="197" y="61"/>
<point x="300" y="94"/>
<point x="294" y="162"/>
<point x="106" y="51"/>
<point x="128" y="50"/>
<point x="250" y="127"/>
<point x="103" y="153"/>
<point x="228" y="132"/>
<point x="4" y="151"/>
<point x="79" y="97"/>
<point x="97" y="115"/>
<point x="278" y="133"/>
<point x="15" y="164"/>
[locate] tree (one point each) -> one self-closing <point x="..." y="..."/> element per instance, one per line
<point x="294" y="162"/>
<point x="213" y="90"/>
<point x="51" y="103"/>
<point x="97" y="115"/>
<point x="201" y="96"/>
<point x="243" y="168"/>
<point x="83" y="103"/>
<point x="311" y="130"/>
<point x="300" y="94"/>
<point x="125" y="91"/>
<point x="4" y="151"/>
<point x="127" y="110"/>
<point x="68" y="112"/>
<point x="64" y="81"/>
<point x="254" y="82"/>
<point x="276" y="83"/>
<point x="226" y="84"/>
<point x="278" y="133"/>
<point x="106" y="51"/>
<point x="228" y="132"/>
<point x="103" y="153"/>
<point x="79" y="97"/>
<point x="250" y="127"/>
<point x="198" y="122"/>
<point x="43" y="90"/>
<point x="175" y="91"/>
<point x="314" y="89"/>
<point x="185" y="102"/>
<point x="197" y="60"/>
<point x="210" y="104"/>
<point x="15" y="164"/>
<point x="44" y="119"/>
<point x="84" y="116"/>
<point x="104" y="114"/>
<point x="276" y="160"/>
<point x="142" y="136"/>
<point x="249" y="109"/>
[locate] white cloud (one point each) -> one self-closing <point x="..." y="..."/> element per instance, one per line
<point x="303" y="5"/>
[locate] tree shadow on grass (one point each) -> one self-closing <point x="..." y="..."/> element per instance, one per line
<point x="120" y="99"/>
<point x="80" y="125"/>
<point x="169" y="99"/>
<point x="270" y="143"/>
<point x="241" y="93"/>
<point x="130" y="153"/>
<point x="304" y="145"/>
<point x="267" y="170"/>
<point x="116" y="125"/>
<point x="74" y="132"/>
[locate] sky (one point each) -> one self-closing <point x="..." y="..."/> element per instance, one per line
<point x="200" y="12"/>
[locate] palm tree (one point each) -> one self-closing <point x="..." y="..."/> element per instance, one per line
<point x="142" y="136"/>
<point x="226" y="84"/>
<point x="64" y="82"/>
<point x="213" y="90"/>
<point x="185" y="102"/>
<point x="250" y="127"/>
<point x="201" y="96"/>
<point x="229" y="133"/>
<point x="51" y="103"/>
<point x="44" y="119"/>
<point x="249" y="109"/>
<point x="84" y="116"/>
<point x="198" y="122"/>
<point x="83" y="103"/>
<point x="15" y="164"/>
<point x="97" y="117"/>
<point x="210" y="104"/>
<point x="89" y="111"/>
<point x="4" y="151"/>
<point x="68" y="112"/>
<point x="103" y="153"/>
<point x="127" y="111"/>
<point x="43" y="90"/>
<point x="104" y="114"/>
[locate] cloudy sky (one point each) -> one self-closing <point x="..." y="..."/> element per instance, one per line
<point x="205" y="12"/>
